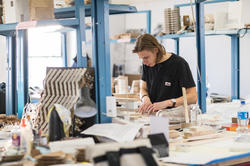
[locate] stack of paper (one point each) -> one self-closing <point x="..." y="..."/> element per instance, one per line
<point x="116" y="132"/>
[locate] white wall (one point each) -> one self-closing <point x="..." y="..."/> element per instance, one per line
<point x="244" y="66"/>
<point x="3" y="60"/>
<point x="117" y="51"/>
<point x="218" y="48"/>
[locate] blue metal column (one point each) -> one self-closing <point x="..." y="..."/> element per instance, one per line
<point x="81" y="37"/>
<point x="101" y="55"/>
<point x="64" y="48"/>
<point x="22" y="55"/>
<point x="200" y="42"/>
<point x="177" y="46"/>
<point x="235" y="67"/>
<point x="148" y="12"/>
<point x="11" y="101"/>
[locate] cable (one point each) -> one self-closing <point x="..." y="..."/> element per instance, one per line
<point x="240" y="30"/>
<point x="192" y="10"/>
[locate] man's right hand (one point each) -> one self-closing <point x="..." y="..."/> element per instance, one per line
<point x="145" y="104"/>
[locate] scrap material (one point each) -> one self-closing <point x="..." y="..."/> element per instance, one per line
<point x="62" y="87"/>
<point x="185" y="105"/>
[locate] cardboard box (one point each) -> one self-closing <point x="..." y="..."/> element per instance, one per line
<point x="41" y="9"/>
<point x="132" y="77"/>
<point x="27" y="10"/>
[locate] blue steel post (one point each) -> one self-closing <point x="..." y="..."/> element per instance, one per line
<point x="101" y="55"/>
<point x="235" y="67"/>
<point x="200" y="42"/>
<point x="11" y="102"/>
<point x="81" y="37"/>
<point x="148" y="12"/>
<point x="22" y="53"/>
<point x="64" y="48"/>
<point x="177" y="45"/>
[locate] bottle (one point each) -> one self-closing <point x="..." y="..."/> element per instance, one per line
<point x="242" y="121"/>
<point x="242" y="118"/>
<point x="26" y="137"/>
<point x="15" y="136"/>
<point x="195" y="114"/>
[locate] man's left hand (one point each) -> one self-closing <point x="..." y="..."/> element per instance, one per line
<point x="159" y="105"/>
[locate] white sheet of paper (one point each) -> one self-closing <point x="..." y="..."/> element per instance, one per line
<point x="116" y="132"/>
<point x="159" y="125"/>
<point x="70" y="146"/>
<point x="187" y="158"/>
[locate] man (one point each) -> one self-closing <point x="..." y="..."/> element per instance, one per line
<point x="164" y="75"/>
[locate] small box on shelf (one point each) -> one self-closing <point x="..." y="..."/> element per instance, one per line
<point x="27" y="10"/>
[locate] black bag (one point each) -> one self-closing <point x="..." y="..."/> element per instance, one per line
<point x="56" y="130"/>
<point x="141" y="156"/>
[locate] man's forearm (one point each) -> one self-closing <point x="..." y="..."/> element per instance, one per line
<point x="143" y="93"/>
<point x="191" y="98"/>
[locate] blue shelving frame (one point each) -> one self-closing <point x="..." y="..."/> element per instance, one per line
<point x="200" y="41"/>
<point x="74" y="17"/>
<point x="69" y="12"/>
<point x="205" y="2"/>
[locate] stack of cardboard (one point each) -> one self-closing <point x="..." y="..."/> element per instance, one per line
<point x="172" y="20"/>
<point x="41" y="9"/>
<point x="8" y="120"/>
<point x="51" y="158"/>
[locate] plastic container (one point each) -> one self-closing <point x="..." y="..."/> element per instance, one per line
<point x="242" y="121"/>
<point x="26" y="137"/>
<point x="16" y="138"/>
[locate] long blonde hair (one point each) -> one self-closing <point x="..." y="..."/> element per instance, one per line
<point x="149" y="42"/>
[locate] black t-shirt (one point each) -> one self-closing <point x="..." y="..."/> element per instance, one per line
<point x="166" y="79"/>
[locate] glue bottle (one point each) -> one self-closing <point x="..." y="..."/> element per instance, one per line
<point x="26" y="136"/>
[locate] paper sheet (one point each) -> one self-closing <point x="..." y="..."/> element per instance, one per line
<point x="116" y="132"/>
<point x="70" y="146"/>
<point x="205" y="153"/>
<point x="159" y="125"/>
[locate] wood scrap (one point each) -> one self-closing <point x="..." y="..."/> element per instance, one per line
<point x="198" y="131"/>
<point x="185" y="105"/>
<point x="174" y="134"/>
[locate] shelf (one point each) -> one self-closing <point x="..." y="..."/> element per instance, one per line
<point x="65" y="17"/>
<point x="41" y="23"/>
<point x="69" y="12"/>
<point x="207" y="33"/>
<point x="123" y="40"/>
<point x="206" y="2"/>
<point x="186" y="34"/>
